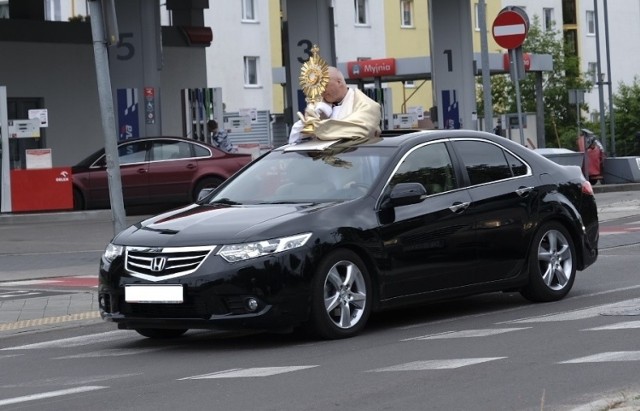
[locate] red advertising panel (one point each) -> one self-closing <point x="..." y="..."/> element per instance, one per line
<point x="371" y="68"/>
<point x="45" y="189"/>
<point x="526" y="59"/>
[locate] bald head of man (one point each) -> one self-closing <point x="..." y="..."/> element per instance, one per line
<point x="337" y="88"/>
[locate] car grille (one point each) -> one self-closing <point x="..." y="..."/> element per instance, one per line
<point x="156" y="264"/>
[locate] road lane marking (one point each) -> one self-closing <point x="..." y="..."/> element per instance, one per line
<point x="466" y="334"/>
<point x="50" y="394"/>
<point x="613" y="356"/>
<point x="437" y="364"/>
<point x="75" y="341"/>
<point x="249" y="372"/>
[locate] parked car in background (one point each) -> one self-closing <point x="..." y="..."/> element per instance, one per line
<point x="321" y="234"/>
<point x="155" y="171"/>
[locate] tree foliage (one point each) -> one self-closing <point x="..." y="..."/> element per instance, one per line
<point x="626" y="109"/>
<point x="560" y="117"/>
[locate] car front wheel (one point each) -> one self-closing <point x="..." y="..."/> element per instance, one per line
<point x="341" y="296"/>
<point x="207" y="182"/>
<point x="552" y="264"/>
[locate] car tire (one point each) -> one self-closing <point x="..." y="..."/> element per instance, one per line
<point x="552" y="264"/>
<point x="341" y="296"/>
<point x="160" y="333"/>
<point x="78" y="200"/>
<point x="207" y="182"/>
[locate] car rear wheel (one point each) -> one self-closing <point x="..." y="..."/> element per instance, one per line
<point x="78" y="200"/>
<point x="341" y="296"/>
<point x="160" y="333"/>
<point x="207" y="182"/>
<point x="552" y="264"/>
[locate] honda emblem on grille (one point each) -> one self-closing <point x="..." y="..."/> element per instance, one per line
<point x="158" y="263"/>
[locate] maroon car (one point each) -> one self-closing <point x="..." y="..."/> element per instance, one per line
<point x="155" y="171"/>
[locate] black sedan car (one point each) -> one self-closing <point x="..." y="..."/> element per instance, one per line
<point x="321" y="234"/>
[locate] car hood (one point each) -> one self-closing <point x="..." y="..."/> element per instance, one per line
<point x="197" y="225"/>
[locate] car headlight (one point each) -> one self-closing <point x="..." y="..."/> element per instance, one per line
<point x="239" y="252"/>
<point x="112" y="252"/>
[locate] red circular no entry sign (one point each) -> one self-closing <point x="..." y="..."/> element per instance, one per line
<point x="510" y="29"/>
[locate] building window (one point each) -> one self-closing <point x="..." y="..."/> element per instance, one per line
<point x="569" y="12"/>
<point x="248" y="10"/>
<point x="592" y="71"/>
<point x="591" y="22"/>
<point x="251" y="71"/>
<point x="52" y="10"/>
<point x="361" y="11"/>
<point x="548" y="21"/>
<point x="571" y="42"/>
<point x="476" y="16"/>
<point x="406" y="12"/>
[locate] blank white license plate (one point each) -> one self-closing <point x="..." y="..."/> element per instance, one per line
<point x="157" y="293"/>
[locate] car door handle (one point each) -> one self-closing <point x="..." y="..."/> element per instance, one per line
<point x="142" y="170"/>
<point x="458" y="206"/>
<point x="524" y="191"/>
<point x="191" y="166"/>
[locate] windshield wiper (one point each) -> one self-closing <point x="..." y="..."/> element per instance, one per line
<point x="225" y="200"/>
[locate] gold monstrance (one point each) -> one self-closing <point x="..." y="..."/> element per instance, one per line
<point x="314" y="77"/>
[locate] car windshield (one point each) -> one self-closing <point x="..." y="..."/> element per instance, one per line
<point x="306" y="176"/>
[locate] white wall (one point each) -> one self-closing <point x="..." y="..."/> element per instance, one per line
<point x="624" y="43"/>
<point x="353" y="41"/>
<point x="234" y="39"/>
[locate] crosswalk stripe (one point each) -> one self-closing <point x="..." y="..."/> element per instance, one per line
<point x="466" y="334"/>
<point x="75" y="341"/>
<point x="249" y="372"/>
<point x="111" y="352"/>
<point x="617" y="326"/>
<point x="50" y="394"/>
<point x="436" y="364"/>
<point x="606" y="357"/>
<point x="578" y="314"/>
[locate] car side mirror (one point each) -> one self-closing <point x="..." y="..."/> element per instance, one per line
<point x="406" y="193"/>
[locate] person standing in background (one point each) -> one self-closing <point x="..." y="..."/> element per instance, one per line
<point x="220" y="138"/>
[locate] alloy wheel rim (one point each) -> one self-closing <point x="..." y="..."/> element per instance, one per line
<point x="555" y="260"/>
<point x="345" y="294"/>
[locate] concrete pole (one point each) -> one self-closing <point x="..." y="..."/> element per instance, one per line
<point x="486" y="75"/>
<point x="600" y="83"/>
<point x="108" y="118"/>
<point x="612" y="120"/>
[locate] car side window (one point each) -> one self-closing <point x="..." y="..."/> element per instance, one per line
<point x="132" y="153"/>
<point x="486" y="162"/>
<point x="201" y="151"/>
<point x="518" y="168"/>
<point x="170" y="150"/>
<point x="429" y="165"/>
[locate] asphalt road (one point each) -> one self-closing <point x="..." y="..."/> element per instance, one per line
<point x="489" y="352"/>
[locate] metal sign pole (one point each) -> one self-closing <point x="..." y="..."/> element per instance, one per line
<point x="516" y="81"/>
<point x="5" y="169"/>
<point x="108" y="117"/>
